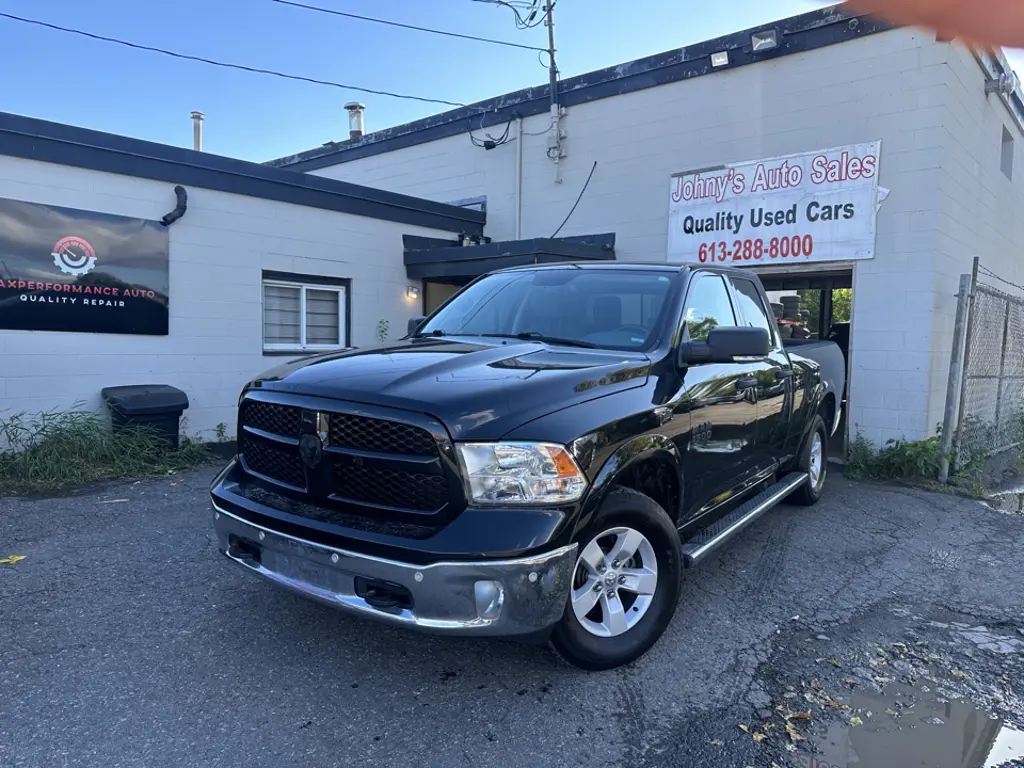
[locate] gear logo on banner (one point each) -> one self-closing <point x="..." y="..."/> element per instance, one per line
<point x="74" y="256"/>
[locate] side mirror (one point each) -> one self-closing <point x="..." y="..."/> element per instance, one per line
<point x="415" y="323"/>
<point x="725" y="344"/>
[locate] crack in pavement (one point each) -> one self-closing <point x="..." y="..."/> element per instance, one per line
<point x="133" y="648"/>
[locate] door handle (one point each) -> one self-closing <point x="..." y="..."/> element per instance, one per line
<point x="784" y="373"/>
<point x="747" y="382"/>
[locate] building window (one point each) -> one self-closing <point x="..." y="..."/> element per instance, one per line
<point x="304" y="313"/>
<point x="1006" y="161"/>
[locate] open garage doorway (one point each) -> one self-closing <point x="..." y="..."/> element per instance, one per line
<point x="816" y="305"/>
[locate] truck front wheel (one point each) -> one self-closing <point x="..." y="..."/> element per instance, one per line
<point x="625" y="585"/>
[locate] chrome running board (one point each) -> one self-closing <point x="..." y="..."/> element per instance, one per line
<point x="711" y="538"/>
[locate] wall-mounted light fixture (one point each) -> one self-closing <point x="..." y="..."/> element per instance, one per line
<point x="719" y="59"/>
<point x="412" y="293"/>
<point x="1004" y="85"/>
<point x="766" y="40"/>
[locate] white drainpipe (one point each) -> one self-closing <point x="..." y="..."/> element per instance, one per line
<point x="520" y="138"/>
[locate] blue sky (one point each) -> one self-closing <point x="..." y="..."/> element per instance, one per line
<point x="70" y="79"/>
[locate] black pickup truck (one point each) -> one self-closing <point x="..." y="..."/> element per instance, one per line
<point x="540" y="458"/>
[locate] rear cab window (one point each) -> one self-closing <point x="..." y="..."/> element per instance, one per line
<point x="751" y="308"/>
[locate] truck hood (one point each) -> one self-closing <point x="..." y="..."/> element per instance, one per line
<point x="479" y="388"/>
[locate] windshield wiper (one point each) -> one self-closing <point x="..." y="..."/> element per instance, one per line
<point x="438" y="332"/>
<point x="534" y="336"/>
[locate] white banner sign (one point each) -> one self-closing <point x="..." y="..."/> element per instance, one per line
<point x="818" y="206"/>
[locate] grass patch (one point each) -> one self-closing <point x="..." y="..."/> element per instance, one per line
<point x="896" y="460"/>
<point x="911" y="461"/>
<point x="54" y="450"/>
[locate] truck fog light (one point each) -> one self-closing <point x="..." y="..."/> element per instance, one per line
<point x="490" y="596"/>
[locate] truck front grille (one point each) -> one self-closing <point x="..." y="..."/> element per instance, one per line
<point x="383" y="487"/>
<point x="380" y="436"/>
<point x="277" y="462"/>
<point x="378" y="463"/>
<point x="273" y="418"/>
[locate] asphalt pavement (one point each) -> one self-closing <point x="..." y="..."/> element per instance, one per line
<point x="126" y="640"/>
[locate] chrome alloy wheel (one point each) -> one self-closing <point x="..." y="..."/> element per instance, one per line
<point x="614" y="582"/>
<point x="816" y="466"/>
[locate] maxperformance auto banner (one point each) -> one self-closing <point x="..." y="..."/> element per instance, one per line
<point x="63" y="269"/>
<point x="812" y="207"/>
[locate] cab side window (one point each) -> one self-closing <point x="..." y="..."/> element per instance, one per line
<point x="751" y="309"/>
<point x="707" y="307"/>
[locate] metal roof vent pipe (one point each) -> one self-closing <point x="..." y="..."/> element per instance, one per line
<point x="197" y="131"/>
<point x="355" y="120"/>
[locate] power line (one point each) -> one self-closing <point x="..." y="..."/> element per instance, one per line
<point x="227" y="65"/>
<point x="446" y="33"/>
<point x="530" y="14"/>
<point x="582" y="192"/>
<point x="527" y="12"/>
<point x="495" y="141"/>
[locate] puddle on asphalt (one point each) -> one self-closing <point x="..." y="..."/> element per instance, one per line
<point x="1011" y="501"/>
<point x="915" y="727"/>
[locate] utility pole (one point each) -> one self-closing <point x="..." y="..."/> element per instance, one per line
<point x="555" y="150"/>
<point x="549" y="13"/>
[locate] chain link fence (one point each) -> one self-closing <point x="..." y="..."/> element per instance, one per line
<point x="992" y="395"/>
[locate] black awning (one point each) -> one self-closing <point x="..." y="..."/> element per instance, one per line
<point x="429" y="259"/>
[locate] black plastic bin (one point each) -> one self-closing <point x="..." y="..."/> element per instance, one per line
<point x="157" y="406"/>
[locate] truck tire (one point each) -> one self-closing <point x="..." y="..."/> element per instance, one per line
<point x="814" y="461"/>
<point x="625" y="585"/>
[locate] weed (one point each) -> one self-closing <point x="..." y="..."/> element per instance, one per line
<point x="221" y="430"/>
<point x="58" y="449"/>
<point x="910" y="459"/>
<point x="860" y="457"/>
<point x="382" y="330"/>
<point x="896" y="460"/>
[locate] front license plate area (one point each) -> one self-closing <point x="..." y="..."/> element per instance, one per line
<point x="307" y="571"/>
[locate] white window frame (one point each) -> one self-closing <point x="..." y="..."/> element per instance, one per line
<point x="303" y="287"/>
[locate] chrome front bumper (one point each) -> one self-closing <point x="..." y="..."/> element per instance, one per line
<point x="492" y="597"/>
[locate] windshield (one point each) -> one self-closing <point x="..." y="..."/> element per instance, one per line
<point x="612" y="309"/>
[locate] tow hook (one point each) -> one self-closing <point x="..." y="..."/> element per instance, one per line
<point x="240" y="549"/>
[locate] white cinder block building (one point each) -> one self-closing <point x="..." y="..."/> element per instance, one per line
<point x="329" y="248"/>
<point x="949" y="164"/>
<point x="949" y="183"/>
<point x="95" y="291"/>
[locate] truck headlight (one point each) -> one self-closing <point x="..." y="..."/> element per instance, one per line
<point x="521" y="473"/>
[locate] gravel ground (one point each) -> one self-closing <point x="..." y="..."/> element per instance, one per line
<point x="125" y="640"/>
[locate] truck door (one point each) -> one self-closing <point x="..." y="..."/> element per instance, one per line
<point x="774" y="377"/>
<point x="720" y="398"/>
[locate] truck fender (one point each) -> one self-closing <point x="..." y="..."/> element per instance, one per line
<point x="621" y="461"/>
<point x="815" y="399"/>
